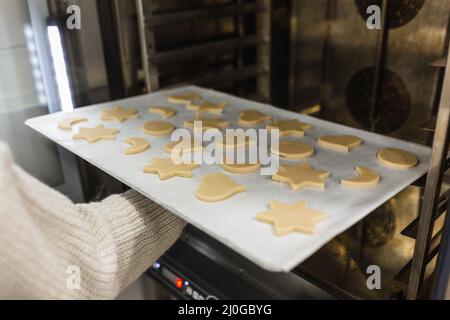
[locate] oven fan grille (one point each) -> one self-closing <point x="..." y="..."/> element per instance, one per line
<point x="400" y="12"/>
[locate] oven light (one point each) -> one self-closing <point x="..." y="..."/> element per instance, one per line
<point x="179" y="283"/>
<point x="157" y="265"/>
<point x="59" y="64"/>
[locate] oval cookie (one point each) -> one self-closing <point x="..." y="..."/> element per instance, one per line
<point x="158" y="128"/>
<point x="396" y="159"/>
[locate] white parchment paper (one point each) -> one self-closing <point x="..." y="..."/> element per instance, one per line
<point x="233" y="221"/>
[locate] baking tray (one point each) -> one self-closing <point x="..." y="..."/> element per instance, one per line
<point x="232" y="222"/>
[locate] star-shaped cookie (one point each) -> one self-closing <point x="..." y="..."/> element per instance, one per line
<point x="288" y="218"/>
<point x="301" y="176"/>
<point x="207" y="106"/>
<point x="119" y="114"/>
<point x="290" y="127"/>
<point x="166" y="169"/>
<point x="98" y="133"/>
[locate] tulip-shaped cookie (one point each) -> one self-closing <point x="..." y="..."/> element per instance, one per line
<point x="218" y="187"/>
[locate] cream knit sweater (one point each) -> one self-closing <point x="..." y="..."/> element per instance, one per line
<point x="53" y="249"/>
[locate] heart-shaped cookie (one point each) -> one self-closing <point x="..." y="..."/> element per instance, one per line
<point x="218" y="187"/>
<point x="340" y="143"/>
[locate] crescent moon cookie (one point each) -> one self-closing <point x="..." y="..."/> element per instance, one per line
<point x="207" y="106"/>
<point x="397" y="159"/>
<point x="366" y="178"/>
<point x="158" y="128"/>
<point x="95" y="134"/>
<point x="287" y="218"/>
<point x="119" y="114"/>
<point x="293" y="128"/>
<point x="165" y="112"/>
<point x="301" y="176"/>
<point x="184" y="98"/>
<point x="138" y="145"/>
<point x="218" y="187"/>
<point x="293" y="150"/>
<point x="253" y="117"/>
<point x="68" y="123"/>
<point x="241" y="168"/>
<point x="340" y="143"/>
<point x="166" y="169"/>
<point x="207" y="123"/>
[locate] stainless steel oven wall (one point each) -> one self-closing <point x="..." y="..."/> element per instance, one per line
<point x="333" y="54"/>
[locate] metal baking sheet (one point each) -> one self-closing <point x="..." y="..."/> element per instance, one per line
<point x="233" y="221"/>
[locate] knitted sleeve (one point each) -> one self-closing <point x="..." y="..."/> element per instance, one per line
<point x="53" y="249"/>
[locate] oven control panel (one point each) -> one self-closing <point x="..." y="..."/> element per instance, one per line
<point x="179" y="284"/>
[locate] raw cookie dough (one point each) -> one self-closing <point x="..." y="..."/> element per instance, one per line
<point x="366" y="178"/>
<point x="207" y="123"/>
<point x="158" y="128"/>
<point x="218" y="187"/>
<point x="119" y="114"/>
<point x="289" y="127"/>
<point x="100" y="132"/>
<point x="288" y="218"/>
<point x="207" y="106"/>
<point x="138" y="145"/>
<point x="166" y="169"/>
<point x="293" y="150"/>
<point x="68" y="123"/>
<point x="235" y="141"/>
<point x="165" y="112"/>
<point x="253" y="117"/>
<point x="340" y="143"/>
<point x="241" y="168"/>
<point x="179" y="144"/>
<point x="184" y="98"/>
<point x="396" y="158"/>
<point x="301" y="176"/>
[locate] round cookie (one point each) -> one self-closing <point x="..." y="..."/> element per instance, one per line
<point x="396" y="158"/>
<point x="158" y="128"/>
